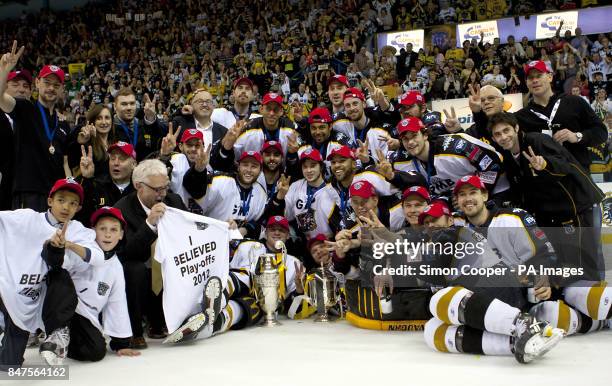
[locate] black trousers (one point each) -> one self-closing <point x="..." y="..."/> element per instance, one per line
<point x="141" y="300"/>
<point x="34" y="201"/>
<point x="58" y="309"/>
<point x="86" y="342"/>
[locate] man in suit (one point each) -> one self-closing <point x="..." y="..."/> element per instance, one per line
<point x="142" y="210"/>
<point x="202" y="107"/>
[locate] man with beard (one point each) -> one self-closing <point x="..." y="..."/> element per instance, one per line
<point x="269" y="127"/>
<point x="106" y="189"/>
<point x="364" y="125"/>
<point x="550" y="183"/>
<point x="145" y="135"/>
<point x="40" y="138"/>
<point x="442" y="159"/>
<point x="202" y="105"/>
<point x="242" y="93"/>
<point x="322" y="137"/>
<point x="489" y="320"/>
<point x="236" y="196"/>
<point x="19" y="85"/>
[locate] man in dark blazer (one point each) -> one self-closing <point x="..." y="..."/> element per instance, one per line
<point x="197" y="116"/>
<point x="142" y="210"/>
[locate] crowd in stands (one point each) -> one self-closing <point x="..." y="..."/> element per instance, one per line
<point x="290" y="47"/>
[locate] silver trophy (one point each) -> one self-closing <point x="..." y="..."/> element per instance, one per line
<point x="324" y="292"/>
<point x="267" y="283"/>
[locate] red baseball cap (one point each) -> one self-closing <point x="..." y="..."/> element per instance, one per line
<point x="246" y="80"/>
<point x="107" y="211"/>
<point x="353" y="92"/>
<point x="474" y="181"/>
<point x="272" y="144"/>
<point x="52" y="70"/>
<point x="435" y="210"/>
<point x="342" y="151"/>
<point x="312" y="154"/>
<point x="411" y="97"/>
<point x="319" y="115"/>
<point x="191" y="134"/>
<point x="68" y="184"/>
<point x="272" y="97"/>
<point x="320" y="238"/>
<point x="363" y="189"/>
<point x="337" y="78"/>
<point x="410" y="124"/>
<point x="251" y="154"/>
<point x="417" y="190"/>
<point x="537" y="65"/>
<point x="124" y="147"/>
<point x="278" y="220"/>
<point x="23" y="74"/>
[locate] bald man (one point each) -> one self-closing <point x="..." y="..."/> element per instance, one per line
<point x="198" y="117"/>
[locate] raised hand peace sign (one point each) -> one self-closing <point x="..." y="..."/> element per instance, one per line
<point x="362" y="152"/>
<point x="202" y="158"/>
<point x="474" y="99"/>
<point x="537" y="162"/>
<point x="383" y="166"/>
<point x="10" y="59"/>
<point x="169" y="141"/>
<point x="87" y="165"/>
<point x="451" y="122"/>
<point x="282" y="187"/>
<point x="149" y="107"/>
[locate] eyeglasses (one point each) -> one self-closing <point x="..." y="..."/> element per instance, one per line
<point x="203" y="102"/>
<point x="159" y="190"/>
<point x="489" y="99"/>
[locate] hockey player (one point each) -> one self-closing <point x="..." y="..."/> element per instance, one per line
<point x="242" y="91"/>
<point x="102" y="306"/>
<point x="36" y="291"/>
<point x="489" y="320"/>
<point x="361" y="124"/>
<point x="441" y="160"/>
<point x="550" y="183"/>
<point x="406" y="214"/>
<point x="336" y="87"/>
<point x="269" y="127"/>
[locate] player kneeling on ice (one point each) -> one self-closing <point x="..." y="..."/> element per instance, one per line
<point x="102" y="307"/>
<point x="36" y="291"/>
<point x="476" y="320"/>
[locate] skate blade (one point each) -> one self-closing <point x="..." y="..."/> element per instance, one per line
<point x="553" y="337"/>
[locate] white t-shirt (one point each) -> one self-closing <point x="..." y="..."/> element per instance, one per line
<point x="191" y="249"/>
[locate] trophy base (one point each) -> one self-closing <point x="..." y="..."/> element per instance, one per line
<point x="322" y="319"/>
<point x="270" y="323"/>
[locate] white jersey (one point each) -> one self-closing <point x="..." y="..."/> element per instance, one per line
<point x="226" y="118"/>
<point x="101" y="291"/>
<point x="373" y="135"/>
<point x="314" y="218"/>
<point x="253" y="139"/>
<point x="222" y="200"/>
<point x="23" y="272"/>
<point x="190" y="249"/>
<point x="397" y="220"/>
<point x="180" y="166"/>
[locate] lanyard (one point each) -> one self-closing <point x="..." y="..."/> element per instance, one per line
<point x="126" y="129"/>
<point x="362" y="133"/>
<point x="271" y="190"/>
<point x="549" y="120"/>
<point x="271" y="136"/>
<point x="322" y="149"/>
<point x="310" y="192"/>
<point x="417" y="166"/>
<point x="50" y="134"/>
<point x="343" y="200"/>
<point x="245" y="203"/>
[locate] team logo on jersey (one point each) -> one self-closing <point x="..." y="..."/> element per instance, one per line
<point x="201" y="226"/>
<point x="460" y="145"/>
<point x="529" y="220"/>
<point x="485" y="162"/>
<point x="447" y="142"/>
<point x="569" y="229"/>
<point x="539" y="234"/>
<point x="478" y="237"/>
<point x="102" y="288"/>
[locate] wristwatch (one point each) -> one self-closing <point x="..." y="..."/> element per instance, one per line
<point x="579" y="136"/>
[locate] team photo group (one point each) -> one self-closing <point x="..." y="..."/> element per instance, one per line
<point x="197" y="202"/>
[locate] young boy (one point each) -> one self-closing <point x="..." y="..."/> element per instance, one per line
<point x="35" y="291"/>
<point x="102" y="306"/>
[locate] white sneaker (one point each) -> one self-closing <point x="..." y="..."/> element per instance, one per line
<point x="55" y="347"/>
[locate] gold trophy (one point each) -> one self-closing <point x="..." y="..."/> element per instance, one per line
<point x="324" y="292"/>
